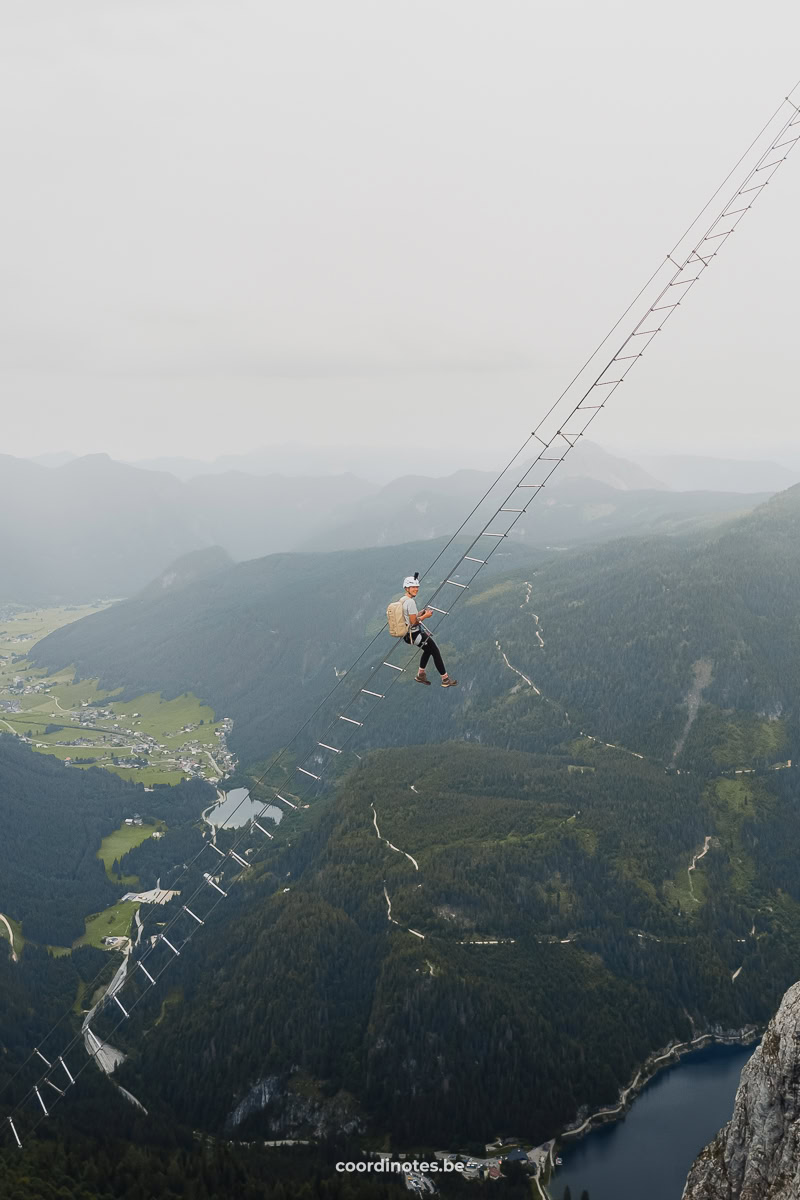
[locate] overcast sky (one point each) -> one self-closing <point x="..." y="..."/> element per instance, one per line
<point x="245" y="223"/>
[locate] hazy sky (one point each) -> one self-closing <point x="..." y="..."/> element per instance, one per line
<point x="234" y="224"/>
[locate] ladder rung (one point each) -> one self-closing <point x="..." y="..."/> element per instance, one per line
<point x="350" y="720"/>
<point x="50" y="1083"/>
<point x="469" y="558"/>
<point x="385" y="664"/>
<point x="443" y="611"/>
<point x="121" y="1006"/>
<point x="531" y="485"/>
<point x="241" y="861"/>
<point x="607" y="382"/>
<point x="767" y="166"/>
<point x="625" y="357"/>
<point x="266" y="832"/>
<point x="662" y="307"/>
<point x="221" y="853"/>
<point x="367" y="692"/>
<point x="461" y="585"/>
<point x="42" y="1057"/>
<point x="191" y="914"/>
<point x="310" y="773"/>
<point x="14" y="1131"/>
<point x="141" y="967"/>
<point x="544" y="443"/>
<point x="66" y="1068"/>
<point x="278" y="796"/>
<point x="41" y="1101"/>
<point x="736" y="211"/>
<point x="497" y="535"/>
<point x="683" y="282"/>
<point x="163" y="936"/>
<point x="216" y="888"/>
<point x="645" y="332"/>
<point x="325" y="745"/>
<point x="757" y="188"/>
<point x="709" y="236"/>
<point x="516" y="510"/>
<point x="586" y="407"/>
<point x="790" y="142"/>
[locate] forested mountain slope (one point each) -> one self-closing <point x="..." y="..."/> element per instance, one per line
<point x="564" y="937"/>
<point x="632" y="640"/>
<point x="560" y="940"/>
<point x="264" y="639"/>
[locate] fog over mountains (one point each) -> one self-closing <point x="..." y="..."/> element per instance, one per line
<point x="87" y="527"/>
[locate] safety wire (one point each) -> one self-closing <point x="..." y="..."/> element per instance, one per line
<point x="569" y="439"/>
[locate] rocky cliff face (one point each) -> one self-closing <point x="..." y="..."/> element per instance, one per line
<point x="757" y="1155"/>
<point x="297" y="1107"/>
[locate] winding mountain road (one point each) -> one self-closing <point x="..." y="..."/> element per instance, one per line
<point x="396" y="849"/>
<point x="693" y="865"/>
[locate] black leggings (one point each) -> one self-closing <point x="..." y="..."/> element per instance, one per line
<point x="418" y="637"/>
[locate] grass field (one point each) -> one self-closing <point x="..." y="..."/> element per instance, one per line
<point x="112" y="922"/>
<point x="165" y="719"/>
<point x="118" y="843"/>
<point x="146" y="775"/>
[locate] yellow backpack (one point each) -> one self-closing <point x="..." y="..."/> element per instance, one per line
<point x="398" y="626"/>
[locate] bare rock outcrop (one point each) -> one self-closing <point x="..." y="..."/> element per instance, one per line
<point x="757" y="1155"/>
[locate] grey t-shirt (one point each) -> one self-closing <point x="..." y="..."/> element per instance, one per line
<point x="409" y="607"/>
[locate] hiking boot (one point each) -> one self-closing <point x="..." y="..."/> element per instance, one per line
<point x="448" y="682"/>
<point x="421" y="677"/>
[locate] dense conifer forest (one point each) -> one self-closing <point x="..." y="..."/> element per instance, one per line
<point x="490" y="921"/>
<point x="53" y="821"/>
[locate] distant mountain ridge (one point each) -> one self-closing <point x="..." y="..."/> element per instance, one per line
<point x="691" y="473"/>
<point x="92" y="527"/>
<point x="587" y="459"/>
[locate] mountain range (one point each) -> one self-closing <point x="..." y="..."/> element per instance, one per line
<point x="523" y="887"/>
<point x="92" y="527"/>
<point x="619" y="633"/>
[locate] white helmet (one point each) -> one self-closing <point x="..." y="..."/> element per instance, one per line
<point x="411" y="580"/>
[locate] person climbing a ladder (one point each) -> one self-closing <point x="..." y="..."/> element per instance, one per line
<point x="405" y="620"/>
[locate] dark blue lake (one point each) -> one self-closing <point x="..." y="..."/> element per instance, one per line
<point x="647" y="1155"/>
